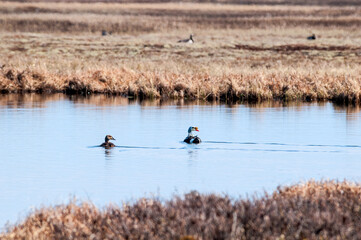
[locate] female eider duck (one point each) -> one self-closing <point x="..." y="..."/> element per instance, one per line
<point x="108" y="144"/>
<point x="190" y="138"/>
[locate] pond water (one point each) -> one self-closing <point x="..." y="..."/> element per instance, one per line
<point x="49" y="149"/>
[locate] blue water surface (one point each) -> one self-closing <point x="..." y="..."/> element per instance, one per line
<point x="49" y="149"/>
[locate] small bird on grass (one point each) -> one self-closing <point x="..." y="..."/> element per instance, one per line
<point x="312" y="37"/>
<point x="188" y="40"/>
<point x="105" y="33"/>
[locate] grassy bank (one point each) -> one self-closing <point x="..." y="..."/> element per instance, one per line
<point x="250" y="86"/>
<point x="314" y="210"/>
<point x="241" y="52"/>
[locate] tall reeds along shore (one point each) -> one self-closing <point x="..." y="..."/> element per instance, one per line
<point x="313" y="210"/>
<point x="248" y="86"/>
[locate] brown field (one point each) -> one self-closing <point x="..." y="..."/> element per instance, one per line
<point x="314" y="210"/>
<point x="244" y="2"/>
<point x="241" y="52"/>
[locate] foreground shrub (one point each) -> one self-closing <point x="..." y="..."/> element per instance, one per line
<point x="314" y="210"/>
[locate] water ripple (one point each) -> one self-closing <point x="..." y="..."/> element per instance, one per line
<point x="286" y="144"/>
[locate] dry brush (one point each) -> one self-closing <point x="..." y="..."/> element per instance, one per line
<point x="314" y="210"/>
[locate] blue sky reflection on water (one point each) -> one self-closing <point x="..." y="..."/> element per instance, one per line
<point x="49" y="154"/>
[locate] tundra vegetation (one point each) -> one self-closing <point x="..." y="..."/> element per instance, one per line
<point x="313" y="210"/>
<point x="251" y="52"/>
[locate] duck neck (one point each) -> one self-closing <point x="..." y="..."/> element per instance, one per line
<point x="190" y="134"/>
<point x="106" y="140"/>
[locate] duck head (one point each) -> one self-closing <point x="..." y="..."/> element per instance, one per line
<point x="191" y="40"/>
<point x="108" y="137"/>
<point x="191" y="129"/>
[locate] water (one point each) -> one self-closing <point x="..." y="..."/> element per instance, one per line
<point x="49" y="153"/>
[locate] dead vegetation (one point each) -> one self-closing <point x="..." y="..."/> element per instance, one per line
<point x="246" y="2"/>
<point x="241" y="52"/>
<point x="314" y="210"/>
<point x="144" y="18"/>
<point x="246" y="87"/>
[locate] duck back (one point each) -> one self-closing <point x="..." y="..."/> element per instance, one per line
<point x="187" y="140"/>
<point x="107" y="145"/>
<point x="194" y="140"/>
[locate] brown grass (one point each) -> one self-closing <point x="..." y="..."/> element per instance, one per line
<point x="142" y="18"/>
<point x="251" y="86"/>
<point x="246" y="2"/>
<point x="242" y="52"/>
<point x="314" y="210"/>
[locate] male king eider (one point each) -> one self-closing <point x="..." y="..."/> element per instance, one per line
<point x="188" y="40"/>
<point x="108" y="144"/>
<point x="190" y="138"/>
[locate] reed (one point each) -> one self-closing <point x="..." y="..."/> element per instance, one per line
<point x="249" y="86"/>
<point x="313" y="210"/>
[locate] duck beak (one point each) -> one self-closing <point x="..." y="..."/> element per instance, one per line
<point x="197" y="129"/>
<point x="114" y="139"/>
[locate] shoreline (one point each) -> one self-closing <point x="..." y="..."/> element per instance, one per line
<point x="152" y="85"/>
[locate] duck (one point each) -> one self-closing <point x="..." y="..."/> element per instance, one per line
<point x="108" y="144"/>
<point x="312" y="37"/>
<point x="188" y="40"/>
<point x="105" y="33"/>
<point x="190" y="138"/>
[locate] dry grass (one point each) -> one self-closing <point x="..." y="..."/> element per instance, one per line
<point x="251" y="85"/>
<point x="253" y="52"/>
<point x="314" y="210"/>
<point x="245" y="2"/>
<point x="143" y="18"/>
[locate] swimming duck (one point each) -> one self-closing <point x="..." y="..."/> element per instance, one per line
<point x="108" y="144"/>
<point x="188" y="40"/>
<point x="312" y="37"/>
<point x="190" y="138"/>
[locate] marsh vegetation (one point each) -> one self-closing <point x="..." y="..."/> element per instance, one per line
<point x="313" y="210"/>
<point x="253" y="52"/>
<point x="245" y="52"/>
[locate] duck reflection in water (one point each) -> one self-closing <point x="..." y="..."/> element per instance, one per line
<point x="107" y="144"/>
<point x="108" y="154"/>
<point x="192" y="156"/>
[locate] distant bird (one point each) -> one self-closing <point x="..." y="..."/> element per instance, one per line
<point x="188" y="40"/>
<point x="190" y="138"/>
<point x="108" y="144"/>
<point x="105" y="33"/>
<point x="312" y="37"/>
